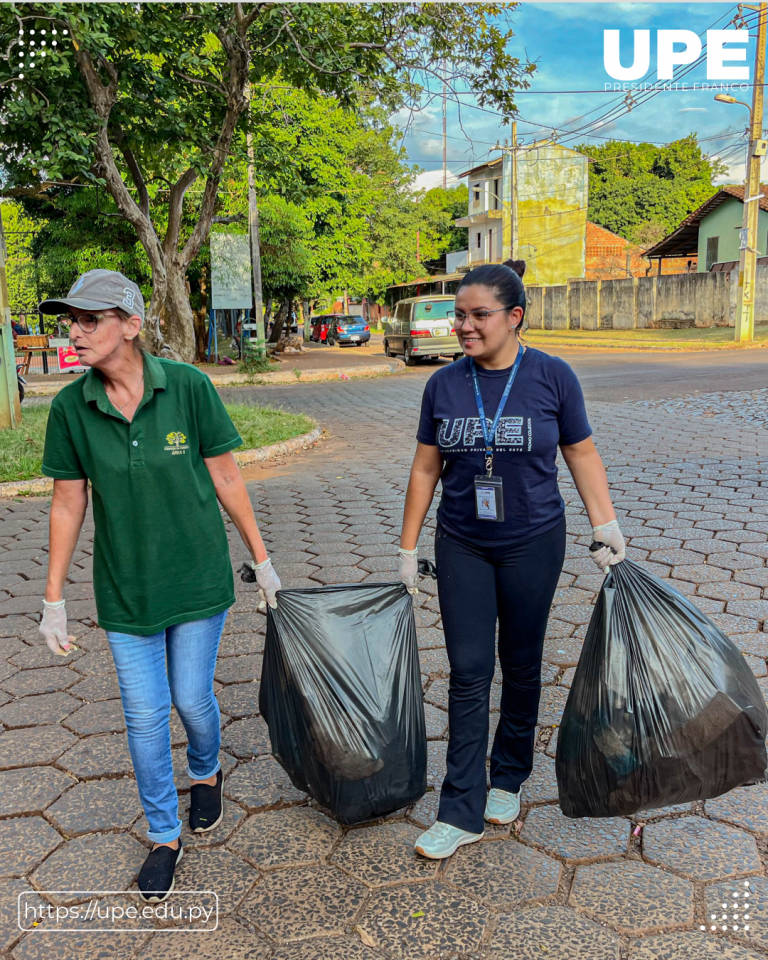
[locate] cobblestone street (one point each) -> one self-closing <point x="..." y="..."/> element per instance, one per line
<point x="691" y="492"/>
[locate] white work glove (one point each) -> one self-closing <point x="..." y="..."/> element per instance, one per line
<point x="269" y="583"/>
<point x="614" y="550"/>
<point x="408" y="569"/>
<point x="53" y="627"/>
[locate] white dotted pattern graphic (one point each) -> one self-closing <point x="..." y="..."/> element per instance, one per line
<point x="35" y="47"/>
<point x="736" y="920"/>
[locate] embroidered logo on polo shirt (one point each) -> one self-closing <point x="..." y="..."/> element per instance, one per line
<point x="177" y="443"/>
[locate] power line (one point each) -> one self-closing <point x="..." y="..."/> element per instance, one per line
<point x="621" y="107"/>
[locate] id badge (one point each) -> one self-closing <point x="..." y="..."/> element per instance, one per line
<point x="489" y="500"/>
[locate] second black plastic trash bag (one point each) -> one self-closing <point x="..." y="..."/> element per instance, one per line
<point x="663" y="708"/>
<point x="341" y="694"/>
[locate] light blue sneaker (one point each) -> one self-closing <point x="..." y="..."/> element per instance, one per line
<point x="442" y="840"/>
<point x="502" y="807"/>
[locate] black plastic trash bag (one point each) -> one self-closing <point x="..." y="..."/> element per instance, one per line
<point x="663" y="708"/>
<point x="341" y="694"/>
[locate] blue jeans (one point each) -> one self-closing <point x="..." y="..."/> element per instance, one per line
<point x="174" y="666"/>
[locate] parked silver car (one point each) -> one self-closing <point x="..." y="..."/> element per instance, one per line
<point x="421" y="327"/>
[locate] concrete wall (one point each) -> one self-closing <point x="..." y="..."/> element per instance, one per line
<point x="455" y="260"/>
<point x="685" y="299"/>
<point x="534" y="310"/>
<point x="574" y="305"/>
<point x="552" y="212"/>
<point x="646" y="302"/>
<point x="624" y="307"/>
<point x="556" y="314"/>
<point x="605" y="307"/>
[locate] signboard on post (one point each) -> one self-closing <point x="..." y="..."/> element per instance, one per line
<point x="69" y="362"/>
<point x="230" y="272"/>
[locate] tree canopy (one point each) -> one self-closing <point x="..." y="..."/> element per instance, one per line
<point x="149" y="100"/>
<point x="642" y="191"/>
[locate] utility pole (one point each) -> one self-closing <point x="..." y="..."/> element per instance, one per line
<point x="10" y="407"/>
<point x="445" y="133"/>
<point x="253" y="225"/>
<point x="745" y="317"/>
<point x="510" y="230"/>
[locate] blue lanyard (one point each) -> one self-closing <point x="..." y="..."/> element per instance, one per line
<point x="488" y="435"/>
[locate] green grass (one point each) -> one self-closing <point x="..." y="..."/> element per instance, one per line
<point x="261" y="426"/>
<point x="21" y="451"/>
<point x="695" y="337"/>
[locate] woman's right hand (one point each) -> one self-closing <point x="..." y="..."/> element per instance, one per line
<point x="269" y="583"/>
<point x="53" y="627"/>
<point x="408" y="569"/>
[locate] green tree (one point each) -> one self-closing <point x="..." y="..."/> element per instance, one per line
<point x="22" y="271"/>
<point x="402" y="217"/>
<point x="149" y="99"/>
<point x="642" y="191"/>
<point x="79" y="229"/>
<point x="443" y="207"/>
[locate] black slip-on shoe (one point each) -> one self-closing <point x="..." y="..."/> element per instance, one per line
<point x="206" y="807"/>
<point x="156" y="877"/>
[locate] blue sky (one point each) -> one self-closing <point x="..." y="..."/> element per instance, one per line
<point x="566" y="41"/>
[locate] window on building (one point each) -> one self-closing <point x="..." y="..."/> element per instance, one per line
<point x="490" y="244"/>
<point x="476" y="193"/>
<point x="479" y="241"/>
<point x="497" y="194"/>
<point x="712" y="244"/>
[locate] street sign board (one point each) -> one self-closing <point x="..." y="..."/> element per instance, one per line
<point x="231" y="272"/>
<point x="69" y="362"/>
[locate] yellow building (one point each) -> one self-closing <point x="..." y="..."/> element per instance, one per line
<point x="551" y="214"/>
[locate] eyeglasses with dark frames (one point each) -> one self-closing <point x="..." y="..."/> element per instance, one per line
<point x="86" y="321"/>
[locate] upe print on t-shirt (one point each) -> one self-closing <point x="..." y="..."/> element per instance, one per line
<point x="463" y="434"/>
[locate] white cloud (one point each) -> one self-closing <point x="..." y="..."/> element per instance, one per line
<point x="736" y="173"/>
<point x="694" y="110"/>
<point x="434" y="178"/>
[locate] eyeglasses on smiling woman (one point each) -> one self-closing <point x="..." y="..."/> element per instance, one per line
<point x="479" y="318"/>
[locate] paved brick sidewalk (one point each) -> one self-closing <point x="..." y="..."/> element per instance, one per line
<point x="292" y="884"/>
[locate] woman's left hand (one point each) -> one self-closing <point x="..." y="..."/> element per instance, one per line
<point x="614" y="550"/>
<point x="269" y="583"/>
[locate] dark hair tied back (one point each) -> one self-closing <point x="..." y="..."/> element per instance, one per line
<point x="503" y="278"/>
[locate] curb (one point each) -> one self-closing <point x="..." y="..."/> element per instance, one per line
<point x="44" y="485"/>
<point x="259" y="380"/>
<point x="306" y="376"/>
<point x="275" y="450"/>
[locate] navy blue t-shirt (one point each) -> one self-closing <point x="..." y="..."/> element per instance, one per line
<point x="544" y="410"/>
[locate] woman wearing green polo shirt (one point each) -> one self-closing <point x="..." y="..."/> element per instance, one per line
<point x="153" y="438"/>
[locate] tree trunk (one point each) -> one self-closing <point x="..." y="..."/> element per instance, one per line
<point x="282" y="313"/>
<point x="201" y="339"/>
<point x="170" y="322"/>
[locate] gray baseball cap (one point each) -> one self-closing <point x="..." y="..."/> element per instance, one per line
<point x="99" y="290"/>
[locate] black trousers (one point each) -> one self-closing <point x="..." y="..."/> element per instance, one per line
<point x="478" y="586"/>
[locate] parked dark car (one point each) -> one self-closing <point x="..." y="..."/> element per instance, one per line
<point x="349" y="330"/>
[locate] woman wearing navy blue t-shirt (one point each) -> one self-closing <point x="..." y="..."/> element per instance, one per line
<point x="491" y="425"/>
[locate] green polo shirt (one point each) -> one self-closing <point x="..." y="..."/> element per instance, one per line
<point x="160" y="552"/>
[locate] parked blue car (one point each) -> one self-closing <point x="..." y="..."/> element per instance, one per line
<point x="348" y="330"/>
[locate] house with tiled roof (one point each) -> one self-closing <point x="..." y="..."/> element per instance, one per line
<point x="712" y="231"/>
